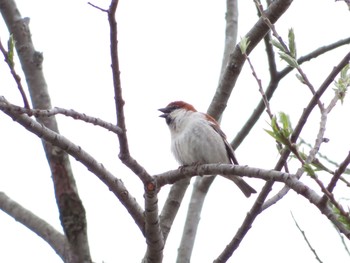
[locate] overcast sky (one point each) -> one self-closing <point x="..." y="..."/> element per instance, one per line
<point x="169" y="50"/>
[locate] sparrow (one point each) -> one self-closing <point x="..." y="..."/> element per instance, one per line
<point x="196" y="138"/>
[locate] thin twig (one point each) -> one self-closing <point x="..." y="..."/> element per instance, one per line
<point x="113" y="183"/>
<point x="69" y="113"/>
<point x="271" y="88"/>
<point x="237" y="60"/>
<point x="286" y="50"/>
<point x="336" y="177"/>
<point x="306" y="239"/>
<point x="97" y="7"/>
<point x="16" y="77"/>
<point x="303" y="118"/>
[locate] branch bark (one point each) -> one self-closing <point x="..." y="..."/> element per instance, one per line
<point x="237" y="59"/>
<point x="233" y="62"/>
<point x="39" y="226"/>
<point x="71" y="209"/>
<point x="59" y="141"/>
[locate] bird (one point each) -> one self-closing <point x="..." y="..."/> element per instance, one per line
<point x="196" y="138"/>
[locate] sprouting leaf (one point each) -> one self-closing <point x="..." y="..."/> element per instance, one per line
<point x="342" y="83"/>
<point x="344" y="72"/>
<point x="243" y="44"/>
<point x="291" y="43"/>
<point x="10" y="52"/>
<point x="277" y="45"/>
<point x="281" y="134"/>
<point x="286" y="125"/>
<point x="341" y="218"/>
<point x="308" y="169"/>
<point x="290" y="60"/>
<point x="300" y="78"/>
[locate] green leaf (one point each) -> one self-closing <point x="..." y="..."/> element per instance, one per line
<point x="243" y="44"/>
<point x="10" y="52"/>
<point x="281" y="135"/>
<point x="285" y="121"/>
<point x="271" y="133"/>
<point x="308" y="169"/>
<point x="342" y="83"/>
<point x="341" y="218"/>
<point x="291" y="43"/>
<point x="277" y="45"/>
<point x="290" y="60"/>
<point x="344" y="71"/>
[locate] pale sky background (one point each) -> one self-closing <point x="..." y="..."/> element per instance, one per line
<point x="168" y="50"/>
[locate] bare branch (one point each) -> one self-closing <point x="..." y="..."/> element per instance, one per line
<point x="336" y="177"/>
<point x="230" y="32"/>
<point x="172" y="205"/>
<point x="306" y="239"/>
<point x="69" y="113"/>
<point x="270" y="176"/>
<point x="39" y="226"/>
<point x="124" y="153"/>
<point x="200" y="190"/>
<point x="67" y="197"/>
<point x="246" y="225"/>
<point x="97" y="7"/>
<point x="270" y="56"/>
<point x="154" y="237"/>
<point x="114" y="184"/>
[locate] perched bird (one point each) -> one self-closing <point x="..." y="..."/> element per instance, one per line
<point x="196" y="138"/>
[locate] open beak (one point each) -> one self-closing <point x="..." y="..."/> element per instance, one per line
<point x="165" y="111"/>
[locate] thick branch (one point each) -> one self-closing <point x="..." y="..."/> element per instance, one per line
<point x="172" y="205"/>
<point x="237" y="59"/>
<point x="200" y="190"/>
<point x="154" y="237"/>
<point x="230" y="32"/>
<point x="71" y="209"/>
<point x="268" y="175"/>
<point x="39" y="226"/>
<point x="114" y="184"/>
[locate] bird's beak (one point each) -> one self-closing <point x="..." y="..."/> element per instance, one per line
<point x="165" y="111"/>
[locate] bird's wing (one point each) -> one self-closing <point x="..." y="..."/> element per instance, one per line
<point x="231" y="154"/>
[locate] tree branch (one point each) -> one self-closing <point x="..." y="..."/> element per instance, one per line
<point x="39" y="226"/>
<point x="236" y="61"/>
<point x="230" y="33"/>
<point x="172" y="205"/>
<point x="271" y="88"/>
<point x="153" y="233"/>
<point x="202" y="185"/>
<point x="67" y="197"/>
<point x="69" y="113"/>
<point x="17" y="78"/>
<point x="271" y="176"/>
<point x="281" y="162"/>
<point x="114" y="184"/>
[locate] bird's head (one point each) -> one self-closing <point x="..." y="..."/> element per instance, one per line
<point x="175" y="109"/>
